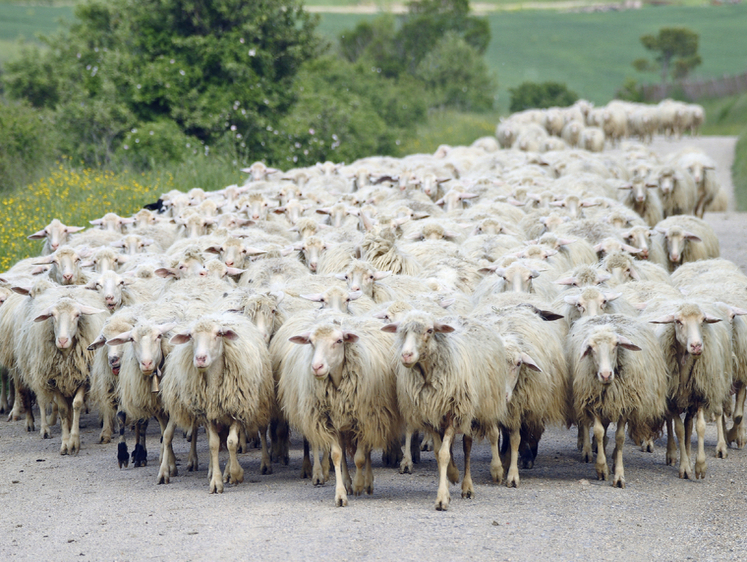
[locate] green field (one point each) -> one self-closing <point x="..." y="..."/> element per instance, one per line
<point x="26" y="21"/>
<point x="592" y="53"/>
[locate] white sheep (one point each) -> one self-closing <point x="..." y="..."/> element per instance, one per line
<point x="687" y="239"/>
<point x="54" y="235"/>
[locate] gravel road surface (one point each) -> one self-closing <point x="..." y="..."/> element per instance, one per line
<point x="85" y="508"/>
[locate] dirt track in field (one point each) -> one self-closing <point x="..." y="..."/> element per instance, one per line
<point x="85" y="508"/>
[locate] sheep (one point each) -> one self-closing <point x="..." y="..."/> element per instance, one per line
<point x="54" y="234"/>
<point x="701" y="168"/>
<point x="651" y="249"/>
<point x="516" y="277"/>
<point x="592" y="139"/>
<point x="644" y="202"/>
<point x="65" y="264"/>
<point x="687" y="239"/>
<point x="697" y="348"/>
<point x="218" y="374"/>
<point x="624" y="269"/>
<point x="112" y="222"/>
<point x="619" y="375"/>
<point x="677" y="189"/>
<point x="591" y="301"/>
<point x="451" y="378"/>
<point x="52" y="355"/>
<point x="341" y="389"/>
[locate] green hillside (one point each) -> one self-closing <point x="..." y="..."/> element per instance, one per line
<point x="592" y="53"/>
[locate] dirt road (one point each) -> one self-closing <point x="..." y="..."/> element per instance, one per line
<point x="85" y="508"/>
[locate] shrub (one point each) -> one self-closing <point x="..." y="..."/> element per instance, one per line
<point x="540" y="95"/>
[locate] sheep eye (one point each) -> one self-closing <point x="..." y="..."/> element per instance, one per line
<point x="430" y="330"/>
<point x="339" y="341"/>
<point x="274" y="311"/>
<point x="371" y="277"/>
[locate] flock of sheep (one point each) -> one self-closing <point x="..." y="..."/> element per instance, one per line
<point x="479" y="291"/>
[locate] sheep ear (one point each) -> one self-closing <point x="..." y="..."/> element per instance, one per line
<point x="349" y="337"/>
<point x="90" y="310"/>
<point x="165" y="272"/>
<point x="634" y="274"/>
<point x="355" y="295"/>
<point x="301" y="338"/>
<point x="612" y="296"/>
<point x="529" y="362"/>
<point x="324" y="211"/>
<point x="548" y="315"/>
<point x="602" y="277"/>
<point x="47" y="314"/>
<point x="21" y="290"/>
<point x="120" y="339"/>
<point x="711" y="319"/>
<point x="533" y="274"/>
<point x="692" y="237"/>
<point x="622" y="341"/>
<point x="318" y="297"/>
<point x="229" y="334"/>
<point x="39" y="269"/>
<point x="341" y="276"/>
<point x="97" y="343"/>
<point x="381" y="275"/>
<point x="251" y="251"/>
<point x="391" y="328"/>
<point x="442" y="328"/>
<point x="573" y="301"/>
<point x="440" y="201"/>
<point x="38" y="235"/>
<point x="668" y="319"/>
<point x="163" y="328"/>
<point x="631" y="249"/>
<point x="214" y="249"/>
<point x="279" y="295"/>
<point x="586" y="350"/>
<point x="571" y="281"/>
<point x="446" y="303"/>
<point x="74" y="229"/>
<point x="180" y="338"/>
<point x="97" y="222"/>
<point x="45" y="260"/>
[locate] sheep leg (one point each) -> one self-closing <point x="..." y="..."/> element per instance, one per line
<point x="43" y="399"/>
<point x="52" y="419"/>
<point x="618" y="479"/>
<point x="319" y="476"/>
<point x="428" y="444"/>
<point x="721" y="449"/>
<point x="192" y="464"/>
<point x="168" y="437"/>
<point x="738" y="432"/>
<point x="64" y="422"/>
<point x="167" y="451"/>
<point x="279" y="436"/>
<point x="243" y="446"/>
<point x="739" y="403"/>
<point x="689" y="434"/>
<point x="452" y="471"/>
<point x="512" y="480"/>
<point x="140" y="453"/>
<point x="234" y="474"/>
<point x="671" y="445"/>
<point x="345" y="472"/>
<point x="392" y="455"/>
<point x="600" y="431"/>
<point x="360" y="457"/>
<point x="341" y="495"/>
<point x="369" y="474"/>
<point x="444" y="458"/>
<point x="685" y="470"/>
<point x="215" y="479"/>
<point x="78" y="404"/>
<point x="265" y="465"/>
<point x="405" y="467"/>
<point x="123" y="457"/>
<point x="700" y="460"/>
<point x="23" y="405"/>
<point x="496" y="466"/>
<point x="306" y="464"/>
<point x="3" y="391"/>
<point x="107" y="428"/>
<point x="585" y="438"/>
<point x="468" y="490"/>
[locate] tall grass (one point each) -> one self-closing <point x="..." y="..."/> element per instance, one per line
<point x="450" y="127"/>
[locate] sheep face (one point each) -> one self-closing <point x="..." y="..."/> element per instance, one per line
<point x="416" y="337"/>
<point x="334" y="298"/>
<point x="112" y="222"/>
<point x="677" y="240"/>
<point x="146" y="341"/>
<point x="620" y="266"/>
<point x="105" y="260"/>
<point x="262" y="310"/>
<point x="56" y="233"/>
<point x="591" y="301"/>
<point x="65" y="265"/>
<point x="688" y="321"/>
<point x="601" y="347"/>
<point x="206" y="338"/>
<point x="329" y="349"/>
<point x="312" y="249"/>
<point x="639" y="237"/>
<point x="109" y="285"/>
<point x="515" y="360"/>
<point x="66" y="315"/>
<point x="518" y="278"/>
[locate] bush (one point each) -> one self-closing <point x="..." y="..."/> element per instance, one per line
<point x="630" y="91"/>
<point x="27" y="143"/>
<point x="148" y="145"/>
<point x="540" y="95"/>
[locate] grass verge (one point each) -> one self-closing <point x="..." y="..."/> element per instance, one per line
<point x="450" y="127"/>
<point x="739" y="172"/>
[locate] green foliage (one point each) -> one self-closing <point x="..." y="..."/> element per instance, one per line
<point x="675" y="52"/>
<point x="209" y="66"/>
<point x="27" y="140"/>
<point x="437" y="42"/>
<point x="541" y="95"/>
<point x="739" y="171"/>
<point x="150" y="144"/>
<point x="631" y="90"/>
<point x="455" y="128"/>
<point x="346" y="111"/>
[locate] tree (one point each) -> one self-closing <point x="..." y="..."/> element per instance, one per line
<point x="216" y="68"/>
<point x="676" y="53"/>
<point x="542" y="95"/>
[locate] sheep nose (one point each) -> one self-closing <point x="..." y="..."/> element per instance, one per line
<point x="674" y="257"/>
<point x="109" y="298"/>
<point x="113" y="361"/>
<point x="407" y="357"/>
<point x="312" y="266"/>
<point x="229" y="263"/>
<point x="696" y="348"/>
<point x="67" y="276"/>
<point x="201" y="359"/>
<point x="355" y="288"/>
<point x="317" y="367"/>
<point x="605" y="376"/>
<point x="62" y="342"/>
<point x="644" y="254"/>
<point x="147" y="365"/>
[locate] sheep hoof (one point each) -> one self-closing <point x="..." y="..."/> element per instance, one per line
<point x="452" y="472"/>
<point x="317" y="480"/>
<point x="265" y="468"/>
<point x="512" y="481"/>
<point x="369" y="489"/>
<point x="163" y="477"/>
<point x="74" y="447"/>
<point x="104" y="439"/>
<point x="618" y="482"/>
<point x="468" y="493"/>
<point x="602" y="472"/>
<point x="236" y="477"/>
<point x="686" y="472"/>
<point x="341" y="499"/>
<point x="721" y="452"/>
<point x="123" y="457"/>
<point x="496" y="473"/>
<point x="647" y="446"/>
<point x="45" y="433"/>
<point x="405" y="467"/>
<point x="586" y="456"/>
<point x="216" y="488"/>
<point x="700" y="469"/>
<point x="442" y="502"/>
<point x="192" y="465"/>
<point x="139" y="456"/>
<point x="671" y="459"/>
